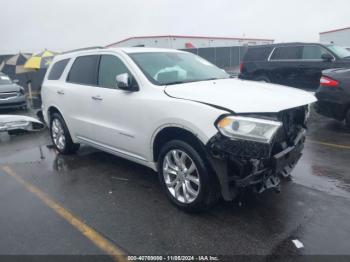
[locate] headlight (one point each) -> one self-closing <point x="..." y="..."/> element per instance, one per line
<point x="21" y="91"/>
<point x="246" y="128"/>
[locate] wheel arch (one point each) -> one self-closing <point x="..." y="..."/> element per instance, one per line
<point x="51" y="110"/>
<point x="175" y="132"/>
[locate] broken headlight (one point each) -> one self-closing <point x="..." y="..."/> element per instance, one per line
<point x="246" y="128"/>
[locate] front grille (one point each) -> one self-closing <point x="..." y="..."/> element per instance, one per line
<point x="293" y="121"/>
<point x="8" y="95"/>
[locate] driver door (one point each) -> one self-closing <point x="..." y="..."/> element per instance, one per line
<point x="115" y="111"/>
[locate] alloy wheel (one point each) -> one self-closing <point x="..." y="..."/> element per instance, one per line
<point x="58" y="135"/>
<point x="181" y="176"/>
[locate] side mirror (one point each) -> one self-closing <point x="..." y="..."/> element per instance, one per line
<point x="124" y="82"/>
<point x="327" y="57"/>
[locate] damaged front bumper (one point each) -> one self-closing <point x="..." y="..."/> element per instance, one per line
<point x="241" y="164"/>
<point x="18" y="122"/>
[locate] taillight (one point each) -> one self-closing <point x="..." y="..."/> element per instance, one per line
<point x="241" y="67"/>
<point x="329" y="82"/>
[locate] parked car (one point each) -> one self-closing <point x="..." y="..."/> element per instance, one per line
<point x="293" y="64"/>
<point x="11" y="94"/>
<point x="207" y="135"/>
<point x="334" y="95"/>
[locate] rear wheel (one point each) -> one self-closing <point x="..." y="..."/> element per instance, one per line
<point x="263" y="79"/>
<point x="60" y="135"/>
<point x="185" y="177"/>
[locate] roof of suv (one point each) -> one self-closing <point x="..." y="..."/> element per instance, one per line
<point x="128" y="50"/>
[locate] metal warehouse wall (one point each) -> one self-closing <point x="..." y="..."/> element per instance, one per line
<point x="341" y="38"/>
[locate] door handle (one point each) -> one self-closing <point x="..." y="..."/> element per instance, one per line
<point x="97" y="98"/>
<point x="60" y="92"/>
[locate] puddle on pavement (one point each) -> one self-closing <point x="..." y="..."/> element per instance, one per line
<point x="32" y="148"/>
<point x="322" y="179"/>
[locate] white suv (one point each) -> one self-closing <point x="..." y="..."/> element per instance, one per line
<point x="207" y="135"/>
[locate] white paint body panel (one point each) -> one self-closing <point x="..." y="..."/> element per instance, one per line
<point x="242" y="96"/>
<point x="126" y="123"/>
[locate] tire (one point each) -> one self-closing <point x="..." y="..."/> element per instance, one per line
<point x="263" y="79"/>
<point x="60" y="135"/>
<point x="198" y="185"/>
<point x="347" y="118"/>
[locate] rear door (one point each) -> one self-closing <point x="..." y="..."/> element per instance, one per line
<point x="81" y="84"/>
<point x="284" y="63"/>
<point x="312" y="65"/>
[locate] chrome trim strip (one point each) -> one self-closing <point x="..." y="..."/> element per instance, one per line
<point x="110" y="148"/>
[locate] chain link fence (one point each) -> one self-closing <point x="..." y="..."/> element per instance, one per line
<point x="227" y="58"/>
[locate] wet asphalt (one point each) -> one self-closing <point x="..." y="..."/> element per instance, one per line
<point x="124" y="203"/>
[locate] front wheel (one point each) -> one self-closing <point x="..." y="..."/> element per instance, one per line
<point x="185" y="177"/>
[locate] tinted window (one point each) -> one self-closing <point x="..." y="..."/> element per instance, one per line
<point x="84" y="70"/>
<point x="287" y="53"/>
<point x="57" y="69"/>
<point x="313" y="52"/>
<point x="110" y="67"/>
<point x="257" y="53"/>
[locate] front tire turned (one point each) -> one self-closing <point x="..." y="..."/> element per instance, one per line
<point x="60" y="135"/>
<point x="185" y="177"/>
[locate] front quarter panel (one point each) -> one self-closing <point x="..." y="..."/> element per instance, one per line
<point x="192" y="116"/>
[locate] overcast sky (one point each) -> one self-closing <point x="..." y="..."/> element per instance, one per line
<point x="32" y="25"/>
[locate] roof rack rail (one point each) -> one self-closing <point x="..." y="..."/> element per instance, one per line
<point x="82" y="49"/>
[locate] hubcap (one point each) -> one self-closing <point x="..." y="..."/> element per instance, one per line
<point x="181" y="176"/>
<point x="58" y="134"/>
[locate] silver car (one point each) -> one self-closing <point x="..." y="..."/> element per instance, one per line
<point x="11" y="94"/>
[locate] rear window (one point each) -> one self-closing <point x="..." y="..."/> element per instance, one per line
<point x="257" y="53"/>
<point x="57" y="69"/>
<point x="287" y="53"/>
<point x="84" y="70"/>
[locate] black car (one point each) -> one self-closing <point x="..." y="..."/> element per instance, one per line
<point x="334" y="95"/>
<point x="292" y="64"/>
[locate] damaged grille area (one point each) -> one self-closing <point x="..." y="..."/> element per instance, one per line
<point x="293" y="123"/>
<point x="242" y="163"/>
<point x="8" y="95"/>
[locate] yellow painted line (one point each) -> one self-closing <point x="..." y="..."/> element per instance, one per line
<point x="116" y="253"/>
<point x="329" y="144"/>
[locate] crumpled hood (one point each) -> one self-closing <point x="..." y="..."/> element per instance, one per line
<point x="242" y="96"/>
<point x="9" y="88"/>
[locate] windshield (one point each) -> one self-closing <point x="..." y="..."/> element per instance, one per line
<point x="5" y="80"/>
<point x="167" y="68"/>
<point x="339" y="51"/>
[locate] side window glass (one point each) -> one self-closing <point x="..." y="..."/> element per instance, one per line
<point x="287" y="53"/>
<point x="313" y="52"/>
<point x="57" y="69"/>
<point x="84" y="70"/>
<point x="110" y="67"/>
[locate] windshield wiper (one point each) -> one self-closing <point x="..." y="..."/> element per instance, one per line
<point x="192" y="81"/>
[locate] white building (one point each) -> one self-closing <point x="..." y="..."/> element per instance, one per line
<point x="338" y="37"/>
<point x="182" y="42"/>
